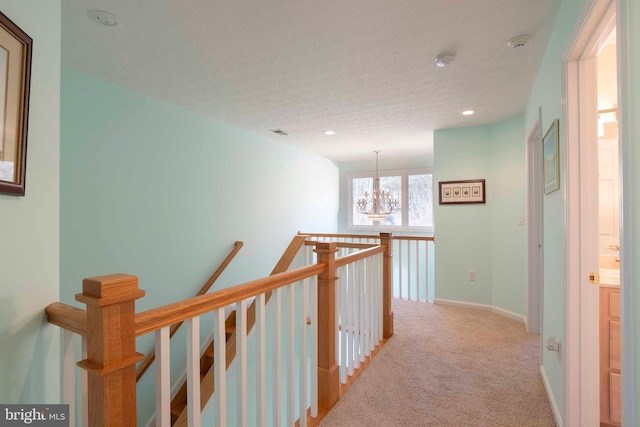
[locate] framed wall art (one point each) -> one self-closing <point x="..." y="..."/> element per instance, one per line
<point x="551" y="159"/>
<point x="462" y="192"/>
<point x="15" y="78"/>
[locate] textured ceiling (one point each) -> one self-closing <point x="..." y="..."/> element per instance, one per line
<point x="363" y="68"/>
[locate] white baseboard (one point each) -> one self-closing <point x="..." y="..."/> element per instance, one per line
<point x="502" y="312"/>
<point x="552" y="400"/>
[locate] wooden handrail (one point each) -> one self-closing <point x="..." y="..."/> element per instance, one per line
<point x="367" y="236"/>
<point x="67" y="317"/>
<point x="424" y="238"/>
<point x="349" y="245"/>
<point x="157" y="318"/>
<point x="355" y="236"/>
<point x="357" y="256"/>
<point x="236" y="248"/>
<point x="146" y="363"/>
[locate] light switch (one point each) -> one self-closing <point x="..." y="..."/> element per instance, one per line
<point x="520" y="219"/>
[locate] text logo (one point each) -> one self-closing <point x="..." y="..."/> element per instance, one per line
<point x="34" y="415"/>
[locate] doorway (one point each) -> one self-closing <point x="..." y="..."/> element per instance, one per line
<point x="609" y="233"/>
<point x="534" y="227"/>
<point x="582" y="394"/>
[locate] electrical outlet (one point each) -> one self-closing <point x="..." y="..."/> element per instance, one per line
<point x="472" y="276"/>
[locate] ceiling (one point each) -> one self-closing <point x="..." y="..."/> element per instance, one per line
<point x="362" y="68"/>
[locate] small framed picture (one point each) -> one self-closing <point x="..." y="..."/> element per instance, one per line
<point x="15" y="79"/>
<point x="462" y="192"/>
<point x="551" y="159"/>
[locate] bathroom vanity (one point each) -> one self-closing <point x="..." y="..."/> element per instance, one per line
<point x="610" y="391"/>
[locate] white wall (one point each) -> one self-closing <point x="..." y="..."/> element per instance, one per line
<point x="29" y="241"/>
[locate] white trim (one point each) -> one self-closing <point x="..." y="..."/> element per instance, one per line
<point x="497" y="310"/>
<point x="533" y="154"/>
<point x="581" y="382"/>
<point x="552" y="400"/>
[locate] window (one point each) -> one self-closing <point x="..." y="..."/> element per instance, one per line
<point x="412" y="188"/>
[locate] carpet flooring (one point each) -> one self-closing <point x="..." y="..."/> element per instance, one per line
<point x="449" y="366"/>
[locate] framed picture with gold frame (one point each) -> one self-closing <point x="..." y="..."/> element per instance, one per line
<point x="15" y="82"/>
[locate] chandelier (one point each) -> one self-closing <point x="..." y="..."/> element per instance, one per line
<point x="379" y="205"/>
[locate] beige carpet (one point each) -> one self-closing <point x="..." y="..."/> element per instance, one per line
<point x="449" y="366"/>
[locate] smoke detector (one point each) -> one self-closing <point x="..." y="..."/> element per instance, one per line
<point x="106" y="19"/>
<point x="444" y="59"/>
<point x="518" y="41"/>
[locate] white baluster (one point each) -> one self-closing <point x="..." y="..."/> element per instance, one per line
<point x="410" y="298"/>
<point x="426" y="269"/>
<point x="379" y="299"/>
<point x="360" y="302"/>
<point x="261" y="371"/>
<point x="84" y="378"/>
<point x="355" y="324"/>
<point x="291" y="352"/>
<point x="303" y="354"/>
<point x="400" y="284"/>
<point x="313" y="314"/>
<point x="277" y="359"/>
<point x="373" y="268"/>
<point x="342" y="331"/>
<point x="366" y="290"/>
<point x="417" y="270"/>
<point x="349" y="332"/>
<point x="193" y="372"/>
<point x="69" y="373"/>
<point x="163" y="374"/>
<point x="241" y="354"/>
<point x="220" y="366"/>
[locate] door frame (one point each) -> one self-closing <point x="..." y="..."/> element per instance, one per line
<point x="582" y="386"/>
<point x="534" y="227"/>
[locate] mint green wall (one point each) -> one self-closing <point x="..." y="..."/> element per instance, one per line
<point x="547" y="93"/>
<point x="463" y="232"/>
<point x="151" y="189"/>
<point x="629" y="50"/>
<point x="414" y="162"/>
<point x="484" y="238"/>
<point x="508" y="194"/>
<point x="30" y="349"/>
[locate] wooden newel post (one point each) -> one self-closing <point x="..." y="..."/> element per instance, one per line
<point x="111" y="348"/>
<point x="386" y="239"/>
<point x="328" y="379"/>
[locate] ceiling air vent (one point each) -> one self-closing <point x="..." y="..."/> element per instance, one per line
<point x="279" y="132"/>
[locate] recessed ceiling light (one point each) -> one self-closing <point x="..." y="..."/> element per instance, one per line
<point x="103" y="18"/>
<point x="330" y="132"/>
<point x="468" y="112"/>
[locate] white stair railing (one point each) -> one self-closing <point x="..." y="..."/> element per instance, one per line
<point x="412" y="258"/>
<point x="284" y="337"/>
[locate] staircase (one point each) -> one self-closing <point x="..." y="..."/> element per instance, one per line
<point x="109" y="326"/>
<point x="179" y="402"/>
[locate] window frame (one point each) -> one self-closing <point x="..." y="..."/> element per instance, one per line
<point x="404" y="182"/>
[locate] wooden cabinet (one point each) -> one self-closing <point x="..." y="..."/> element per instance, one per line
<point x="610" y="393"/>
